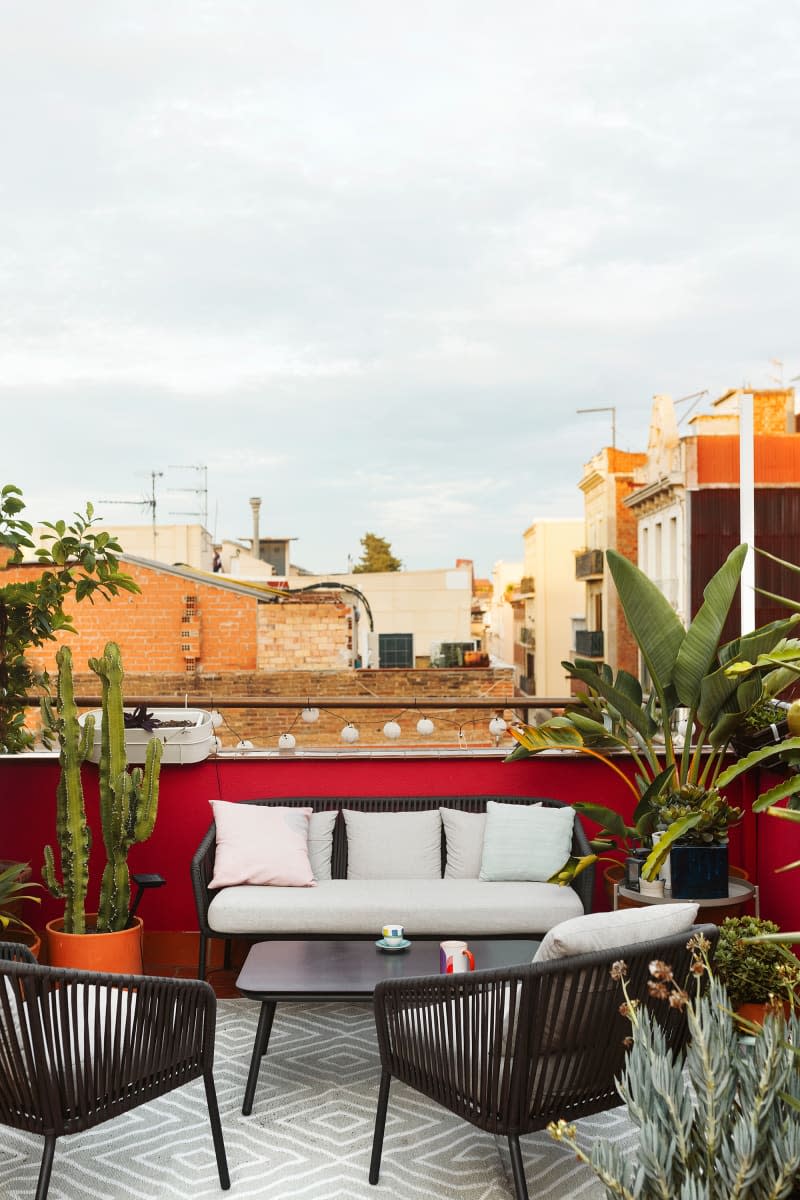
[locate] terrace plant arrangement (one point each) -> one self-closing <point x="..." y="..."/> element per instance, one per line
<point x="128" y="807"/>
<point x="694" y="680"/>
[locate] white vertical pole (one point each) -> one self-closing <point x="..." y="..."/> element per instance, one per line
<point x="747" y="509"/>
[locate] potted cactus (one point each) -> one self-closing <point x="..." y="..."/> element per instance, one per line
<point x="108" y="939"/>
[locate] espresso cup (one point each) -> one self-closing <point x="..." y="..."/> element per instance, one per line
<point x="455" y="957"/>
<point x="393" y="934"/>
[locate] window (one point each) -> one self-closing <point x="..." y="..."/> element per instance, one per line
<point x="395" y="650"/>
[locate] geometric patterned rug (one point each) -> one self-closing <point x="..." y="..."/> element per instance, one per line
<point x="309" y="1136"/>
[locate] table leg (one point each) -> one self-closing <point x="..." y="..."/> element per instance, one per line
<point x="265" y="1019"/>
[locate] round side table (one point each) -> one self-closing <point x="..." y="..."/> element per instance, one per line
<point x="740" y="893"/>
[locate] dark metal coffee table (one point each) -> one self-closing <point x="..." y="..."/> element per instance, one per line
<point x="333" y="970"/>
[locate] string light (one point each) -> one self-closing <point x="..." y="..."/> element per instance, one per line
<point x="425" y="726"/>
<point x="310" y="715"/>
<point x="216" y="719"/>
<point x="349" y="733"/>
<point x="287" y="741"/>
<point x="392" y="730"/>
<point x="497" y="727"/>
<point x="244" y="744"/>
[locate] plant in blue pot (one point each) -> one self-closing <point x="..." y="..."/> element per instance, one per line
<point x="693" y="682"/>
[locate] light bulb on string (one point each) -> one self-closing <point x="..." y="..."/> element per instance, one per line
<point x="216" y="719"/>
<point x="392" y="730"/>
<point x="244" y="744"/>
<point x="287" y="741"/>
<point x="497" y="727"/>
<point x="309" y="715"/>
<point x="349" y="733"/>
<point x="425" y="726"/>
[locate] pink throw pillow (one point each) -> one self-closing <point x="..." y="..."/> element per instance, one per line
<point x="256" y="845"/>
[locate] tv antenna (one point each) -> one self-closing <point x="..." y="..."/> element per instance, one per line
<point x="146" y="502"/>
<point x="201" y="491"/>
<point x="697" y="397"/>
<point x="605" y="408"/>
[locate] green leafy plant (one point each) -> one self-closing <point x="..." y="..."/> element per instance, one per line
<point x="716" y="1121"/>
<point x="692" y="678"/>
<point x="128" y="799"/>
<point x="754" y="971"/>
<point x="78" y="563"/>
<point x="15" y="887"/>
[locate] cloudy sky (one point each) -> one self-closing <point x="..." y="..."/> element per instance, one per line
<point x="366" y="260"/>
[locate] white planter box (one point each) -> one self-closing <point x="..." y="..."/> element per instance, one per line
<point x="182" y="744"/>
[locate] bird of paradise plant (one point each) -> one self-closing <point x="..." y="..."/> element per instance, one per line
<point x="678" y="781"/>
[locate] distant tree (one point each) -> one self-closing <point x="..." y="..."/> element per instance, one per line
<point x="376" y="555"/>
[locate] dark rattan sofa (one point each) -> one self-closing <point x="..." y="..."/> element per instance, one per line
<point x="532" y="918"/>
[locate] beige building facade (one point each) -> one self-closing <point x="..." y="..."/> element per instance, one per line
<point x="549" y="605"/>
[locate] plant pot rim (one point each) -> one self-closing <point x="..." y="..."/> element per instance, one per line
<point x="57" y="926"/>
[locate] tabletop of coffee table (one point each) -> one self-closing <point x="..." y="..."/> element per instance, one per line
<point x="338" y="970"/>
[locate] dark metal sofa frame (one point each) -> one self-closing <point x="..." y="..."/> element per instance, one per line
<point x="203" y="860"/>
<point x="447" y="1037"/>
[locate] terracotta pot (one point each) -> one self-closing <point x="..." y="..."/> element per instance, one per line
<point x="118" y="953"/>
<point x="23" y="938"/>
<point x="756" y="1013"/>
<point x="612" y="875"/>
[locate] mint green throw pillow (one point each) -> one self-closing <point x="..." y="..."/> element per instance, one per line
<point x="525" y="842"/>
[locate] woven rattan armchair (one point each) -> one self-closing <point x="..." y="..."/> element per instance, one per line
<point x="78" y="1048"/>
<point x="514" y="1049"/>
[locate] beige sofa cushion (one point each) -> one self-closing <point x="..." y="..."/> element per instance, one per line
<point x="425" y="907"/>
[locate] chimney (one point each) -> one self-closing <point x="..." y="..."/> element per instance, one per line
<point x="255" y="504"/>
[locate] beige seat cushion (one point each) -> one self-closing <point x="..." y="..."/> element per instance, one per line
<point x="426" y="907"/>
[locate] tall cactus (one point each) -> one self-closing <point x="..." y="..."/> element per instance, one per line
<point x="128" y="800"/>
<point x="73" y="834"/>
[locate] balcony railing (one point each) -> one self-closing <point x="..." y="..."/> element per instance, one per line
<point x="589" y="564"/>
<point x="589" y="642"/>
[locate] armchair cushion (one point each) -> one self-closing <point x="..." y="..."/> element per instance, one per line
<point x="607" y="930"/>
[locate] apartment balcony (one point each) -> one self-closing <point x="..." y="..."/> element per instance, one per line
<point x="589" y="643"/>
<point x="589" y="564"/>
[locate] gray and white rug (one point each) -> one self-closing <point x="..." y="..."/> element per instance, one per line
<point x="309" y="1136"/>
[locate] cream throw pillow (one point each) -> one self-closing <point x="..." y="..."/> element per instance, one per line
<point x="256" y="844"/>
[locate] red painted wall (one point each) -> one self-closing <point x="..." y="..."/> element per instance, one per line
<point x="27" y="810"/>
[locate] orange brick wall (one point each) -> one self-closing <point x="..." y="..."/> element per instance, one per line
<point x="150" y="629"/>
<point x="627" y="657"/>
<point x="777" y="459"/>
<point x="294" y="635"/>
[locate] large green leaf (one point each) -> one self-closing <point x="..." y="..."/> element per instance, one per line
<point x="758" y="641"/>
<point x="633" y="713"/>
<point x="607" y="818"/>
<point x="754" y="758"/>
<point x="786" y="787"/>
<point x="651" y="618"/>
<point x="657" y="857"/>
<point x="727" y="722"/>
<point x="533" y="739"/>
<point x="698" y="651"/>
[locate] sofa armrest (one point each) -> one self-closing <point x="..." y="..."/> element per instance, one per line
<point x="202" y="874"/>
<point x="584" y="883"/>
